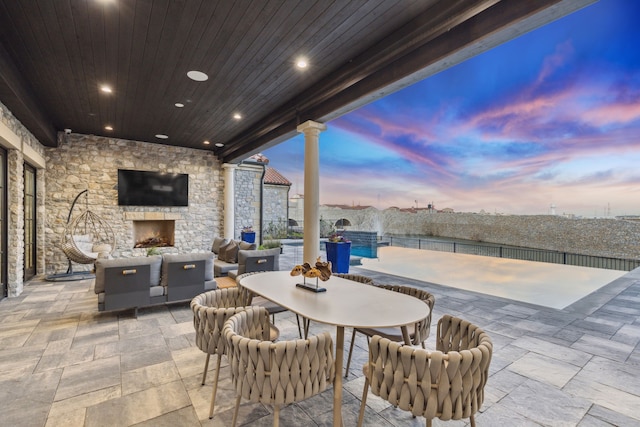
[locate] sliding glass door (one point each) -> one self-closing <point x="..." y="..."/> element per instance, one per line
<point x="3" y="222"/>
<point x="29" y="222"/>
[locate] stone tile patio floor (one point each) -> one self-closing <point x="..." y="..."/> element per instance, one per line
<point x="63" y="363"/>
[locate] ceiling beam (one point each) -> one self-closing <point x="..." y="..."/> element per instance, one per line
<point x="23" y="104"/>
<point x="425" y="44"/>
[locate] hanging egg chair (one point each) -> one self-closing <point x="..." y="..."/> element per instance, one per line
<point x="86" y="238"/>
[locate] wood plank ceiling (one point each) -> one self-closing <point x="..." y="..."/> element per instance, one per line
<point x="55" y="55"/>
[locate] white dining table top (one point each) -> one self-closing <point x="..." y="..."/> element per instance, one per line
<point x="345" y="303"/>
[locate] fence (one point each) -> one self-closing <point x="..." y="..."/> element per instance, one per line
<point x="538" y="255"/>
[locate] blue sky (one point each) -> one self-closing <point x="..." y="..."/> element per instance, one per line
<point x="552" y="117"/>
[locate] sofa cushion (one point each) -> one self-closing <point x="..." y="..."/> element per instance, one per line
<point x="246" y="246"/>
<point x="153" y="261"/>
<point x="222" y="250"/>
<point x="217" y="242"/>
<point x="243" y="255"/>
<point x="231" y="252"/>
<point x="210" y="285"/>
<point x="221" y="268"/>
<point x="207" y="257"/>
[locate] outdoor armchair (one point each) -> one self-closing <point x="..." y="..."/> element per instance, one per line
<point x="210" y="311"/>
<point x="356" y="278"/>
<point x="447" y="383"/>
<point x="418" y="332"/>
<point x="353" y="277"/>
<point x="275" y="373"/>
<point x="258" y="301"/>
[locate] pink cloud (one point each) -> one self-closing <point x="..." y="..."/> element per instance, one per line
<point x="608" y="114"/>
<point x="551" y="63"/>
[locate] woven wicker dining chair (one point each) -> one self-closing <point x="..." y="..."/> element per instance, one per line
<point x="418" y="332"/>
<point x="275" y="373"/>
<point x="356" y="278"/>
<point x="210" y="310"/>
<point x="447" y="383"/>
<point x="353" y="277"/>
<point x="258" y="301"/>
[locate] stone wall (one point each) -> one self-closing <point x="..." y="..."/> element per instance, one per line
<point x="22" y="147"/>
<point x="248" y="180"/>
<point x="275" y="210"/>
<point x="598" y="237"/>
<point x="91" y="162"/>
<point x="15" y="213"/>
<point x="247" y="198"/>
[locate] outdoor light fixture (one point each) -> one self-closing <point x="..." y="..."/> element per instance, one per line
<point x="198" y="76"/>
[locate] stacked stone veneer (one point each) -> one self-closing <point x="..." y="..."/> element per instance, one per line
<point x="22" y="147"/>
<point x="248" y="188"/>
<point x="275" y="209"/>
<point x="598" y="237"/>
<point x="248" y="179"/>
<point x="91" y="162"/>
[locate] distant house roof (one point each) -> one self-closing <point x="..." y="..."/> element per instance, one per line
<point x="274" y="177"/>
<point x="356" y="208"/>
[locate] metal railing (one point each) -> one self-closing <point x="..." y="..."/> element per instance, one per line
<point x="526" y="254"/>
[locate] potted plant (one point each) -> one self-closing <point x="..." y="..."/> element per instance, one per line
<point x="247" y="234"/>
<point x="338" y="253"/>
<point x="270" y="244"/>
<point x="153" y="250"/>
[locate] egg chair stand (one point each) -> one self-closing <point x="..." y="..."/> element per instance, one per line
<point x="84" y="231"/>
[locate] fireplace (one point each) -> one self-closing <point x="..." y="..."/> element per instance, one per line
<point x="153" y="233"/>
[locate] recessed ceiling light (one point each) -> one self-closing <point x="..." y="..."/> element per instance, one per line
<point x="302" y="63"/>
<point x="237" y="116"/>
<point x="179" y="104"/>
<point x="107" y="127"/>
<point x="161" y="136"/>
<point x="219" y="144"/>
<point x="206" y="143"/>
<point x="106" y="89"/>
<point x="198" y="76"/>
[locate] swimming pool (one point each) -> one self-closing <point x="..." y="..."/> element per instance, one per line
<point x="550" y="285"/>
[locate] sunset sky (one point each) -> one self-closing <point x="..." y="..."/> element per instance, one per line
<point x="552" y="117"/>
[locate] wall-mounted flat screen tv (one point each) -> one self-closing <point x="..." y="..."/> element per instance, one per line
<point x="145" y="188"/>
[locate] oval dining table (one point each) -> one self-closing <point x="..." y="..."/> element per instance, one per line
<point x="345" y="303"/>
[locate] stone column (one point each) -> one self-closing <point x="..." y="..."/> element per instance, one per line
<point x="15" y="219"/>
<point x="229" y="204"/>
<point x="311" y="246"/>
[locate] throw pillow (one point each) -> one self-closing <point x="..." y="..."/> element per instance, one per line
<point x="217" y="242"/>
<point x="246" y="246"/>
<point x="231" y="253"/>
<point x="222" y="251"/>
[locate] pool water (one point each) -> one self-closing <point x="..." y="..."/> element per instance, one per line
<point x="364" y="251"/>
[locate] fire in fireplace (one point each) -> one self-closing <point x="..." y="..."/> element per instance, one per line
<point x="153" y="233"/>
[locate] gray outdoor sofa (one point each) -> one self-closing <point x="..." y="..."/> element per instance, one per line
<point x="256" y="260"/>
<point x="124" y="283"/>
<point x="226" y="254"/>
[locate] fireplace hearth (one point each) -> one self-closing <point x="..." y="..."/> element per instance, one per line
<point x="153" y="233"/>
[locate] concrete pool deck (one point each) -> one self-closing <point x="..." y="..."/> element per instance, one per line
<point x="63" y="363"/>
<point x="546" y="284"/>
